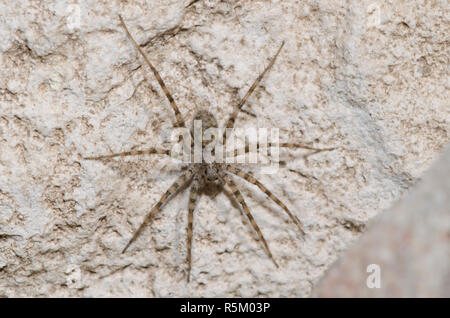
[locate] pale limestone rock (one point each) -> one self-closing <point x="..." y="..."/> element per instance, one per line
<point x="367" y="77"/>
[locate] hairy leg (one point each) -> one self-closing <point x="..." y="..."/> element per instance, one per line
<point x="237" y="109"/>
<point x="132" y="153"/>
<point x="192" y="201"/>
<point x="164" y="199"/>
<point x="180" y="121"/>
<point x="237" y="194"/>
<point x="249" y="178"/>
<point x="246" y="149"/>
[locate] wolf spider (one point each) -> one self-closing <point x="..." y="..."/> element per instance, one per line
<point x="202" y="174"/>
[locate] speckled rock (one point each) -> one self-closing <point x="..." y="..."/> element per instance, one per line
<point x="368" y="78"/>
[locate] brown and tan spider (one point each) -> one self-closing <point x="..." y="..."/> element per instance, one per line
<point x="204" y="173"/>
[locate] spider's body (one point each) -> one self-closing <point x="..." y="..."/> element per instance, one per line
<point x="208" y="173"/>
<point x="207" y="121"/>
<point x="204" y="172"/>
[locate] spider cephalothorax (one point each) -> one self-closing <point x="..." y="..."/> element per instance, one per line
<point x="210" y="172"/>
<point x="205" y="170"/>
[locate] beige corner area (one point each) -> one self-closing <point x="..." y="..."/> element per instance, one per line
<point x="406" y="250"/>
<point x="367" y="78"/>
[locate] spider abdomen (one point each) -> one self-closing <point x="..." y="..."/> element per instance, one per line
<point x="206" y="134"/>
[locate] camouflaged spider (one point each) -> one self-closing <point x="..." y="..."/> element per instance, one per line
<point x="203" y="174"/>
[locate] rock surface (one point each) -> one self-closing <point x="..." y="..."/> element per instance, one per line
<point x="406" y="252"/>
<point x="369" y="78"/>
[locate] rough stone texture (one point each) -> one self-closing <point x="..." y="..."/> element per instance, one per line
<point x="367" y="77"/>
<point x="409" y="245"/>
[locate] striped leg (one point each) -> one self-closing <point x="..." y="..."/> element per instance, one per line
<point x="237" y="194"/>
<point x="315" y="150"/>
<point x="192" y="201"/>
<point x="249" y="178"/>
<point x="292" y="145"/>
<point x="191" y="3"/>
<point x="132" y="153"/>
<point x="232" y="119"/>
<point x="246" y="149"/>
<point x="165" y="198"/>
<point x="180" y="121"/>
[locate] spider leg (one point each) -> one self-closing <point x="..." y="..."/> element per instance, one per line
<point x="165" y="198"/>
<point x="246" y="149"/>
<point x="292" y="145"/>
<point x="249" y="178"/>
<point x="231" y="120"/>
<point x="180" y="121"/>
<point x="191" y="3"/>
<point x="237" y="194"/>
<point x="131" y="153"/>
<point x="192" y="201"/>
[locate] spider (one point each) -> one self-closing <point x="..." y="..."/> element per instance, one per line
<point x="203" y="174"/>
